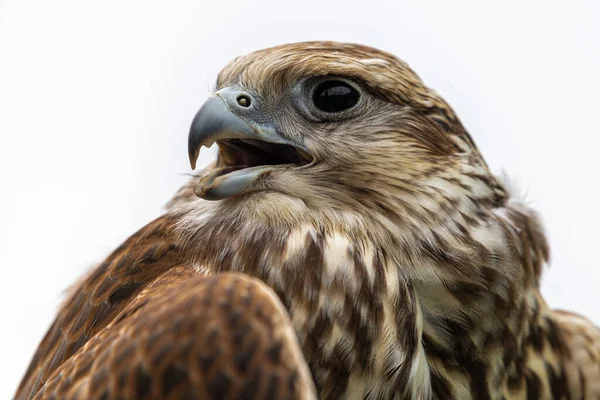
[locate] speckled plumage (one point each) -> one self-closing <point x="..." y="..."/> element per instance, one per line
<point x="405" y="268"/>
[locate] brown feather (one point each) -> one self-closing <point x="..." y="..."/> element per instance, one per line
<point x="188" y="336"/>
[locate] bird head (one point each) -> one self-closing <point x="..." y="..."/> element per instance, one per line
<point x="342" y="148"/>
<point x="334" y="125"/>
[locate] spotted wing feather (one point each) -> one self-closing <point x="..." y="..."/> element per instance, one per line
<point x="224" y="336"/>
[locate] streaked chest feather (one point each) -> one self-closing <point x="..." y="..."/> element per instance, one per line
<point x="356" y="317"/>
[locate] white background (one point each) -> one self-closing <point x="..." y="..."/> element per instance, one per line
<point x="96" y="99"/>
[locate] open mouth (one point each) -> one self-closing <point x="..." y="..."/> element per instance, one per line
<point x="238" y="154"/>
<point x="242" y="161"/>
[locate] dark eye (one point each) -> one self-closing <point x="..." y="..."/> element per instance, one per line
<point x="335" y="96"/>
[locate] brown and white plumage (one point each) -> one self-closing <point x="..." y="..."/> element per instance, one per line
<point x="404" y="267"/>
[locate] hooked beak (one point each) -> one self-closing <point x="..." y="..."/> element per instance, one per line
<point x="247" y="149"/>
<point x="215" y="121"/>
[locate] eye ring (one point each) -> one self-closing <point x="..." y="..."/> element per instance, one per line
<point x="334" y="96"/>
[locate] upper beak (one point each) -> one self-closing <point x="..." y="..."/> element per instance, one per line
<point x="229" y="114"/>
<point x="216" y="121"/>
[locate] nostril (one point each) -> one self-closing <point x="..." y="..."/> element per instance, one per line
<point x="243" y="100"/>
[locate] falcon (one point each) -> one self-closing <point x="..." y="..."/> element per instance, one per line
<point x="349" y="242"/>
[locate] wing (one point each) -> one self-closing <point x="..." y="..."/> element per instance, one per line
<point x="101" y="296"/>
<point x="190" y="337"/>
<point x="145" y="325"/>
